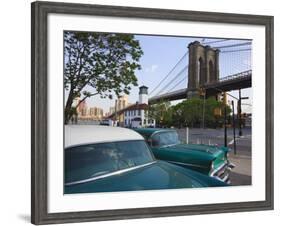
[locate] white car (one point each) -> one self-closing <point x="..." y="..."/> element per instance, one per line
<point x="107" y="159"/>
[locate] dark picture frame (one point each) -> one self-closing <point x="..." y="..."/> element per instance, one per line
<point x="39" y="107"/>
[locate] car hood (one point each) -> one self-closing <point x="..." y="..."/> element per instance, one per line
<point x="197" y="155"/>
<point x="204" y="151"/>
<point x="158" y="175"/>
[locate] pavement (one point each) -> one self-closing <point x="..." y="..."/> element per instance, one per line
<point x="241" y="174"/>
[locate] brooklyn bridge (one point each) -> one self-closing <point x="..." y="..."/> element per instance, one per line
<point x="215" y="67"/>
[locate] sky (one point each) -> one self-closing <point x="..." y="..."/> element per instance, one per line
<point x="162" y="53"/>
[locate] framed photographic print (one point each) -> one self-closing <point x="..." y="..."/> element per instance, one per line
<point x="140" y="112"/>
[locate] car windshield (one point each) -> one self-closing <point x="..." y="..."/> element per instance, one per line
<point x="167" y="138"/>
<point x="92" y="160"/>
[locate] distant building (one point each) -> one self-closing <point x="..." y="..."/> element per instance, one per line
<point x="111" y="110"/>
<point x="82" y="109"/>
<point x="135" y="115"/>
<point x="96" y="113"/>
<point x="87" y="113"/>
<point x="120" y="103"/>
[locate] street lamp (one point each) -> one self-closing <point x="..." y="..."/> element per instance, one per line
<point x="238" y="107"/>
<point x="202" y="92"/>
<point x="239" y="111"/>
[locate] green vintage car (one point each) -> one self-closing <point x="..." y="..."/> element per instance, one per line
<point x="109" y="159"/>
<point x="207" y="159"/>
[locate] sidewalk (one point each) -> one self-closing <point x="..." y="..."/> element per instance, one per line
<point x="241" y="174"/>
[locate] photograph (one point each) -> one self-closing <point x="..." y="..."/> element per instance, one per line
<point x="142" y="112"/>
<point x="151" y="112"/>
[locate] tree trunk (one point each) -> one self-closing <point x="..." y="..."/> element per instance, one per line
<point x="67" y="110"/>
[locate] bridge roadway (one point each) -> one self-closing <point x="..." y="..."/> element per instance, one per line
<point x="241" y="80"/>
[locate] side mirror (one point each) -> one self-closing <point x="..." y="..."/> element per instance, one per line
<point x="154" y="143"/>
<point x="149" y="141"/>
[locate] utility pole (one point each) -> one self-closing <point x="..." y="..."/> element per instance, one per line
<point x="225" y="127"/>
<point x="203" y="93"/>
<point x="239" y="111"/>
<point x="224" y="103"/>
<point x="233" y="125"/>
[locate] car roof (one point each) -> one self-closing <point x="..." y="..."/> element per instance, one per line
<point x="86" y="134"/>
<point x="149" y="131"/>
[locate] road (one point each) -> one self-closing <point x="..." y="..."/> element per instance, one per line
<point x="241" y="174"/>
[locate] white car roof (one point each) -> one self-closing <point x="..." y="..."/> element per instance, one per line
<point x="86" y="134"/>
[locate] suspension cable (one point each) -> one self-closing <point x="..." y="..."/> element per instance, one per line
<point x="169" y="73"/>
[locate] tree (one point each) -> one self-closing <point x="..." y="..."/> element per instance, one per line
<point x="98" y="64"/>
<point x="190" y="112"/>
<point x="160" y="113"/>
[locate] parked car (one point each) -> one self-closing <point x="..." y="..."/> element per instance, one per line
<point x="106" y="122"/>
<point x="207" y="159"/>
<point x="108" y="159"/>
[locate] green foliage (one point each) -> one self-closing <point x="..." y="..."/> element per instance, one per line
<point x="104" y="63"/>
<point x="161" y="113"/>
<point x="188" y="113"/>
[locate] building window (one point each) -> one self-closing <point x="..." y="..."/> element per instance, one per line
<point x="139" y="112"/>
<point x="144" y="121"/>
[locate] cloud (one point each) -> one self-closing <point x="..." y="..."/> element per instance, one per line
<point x="152" y="68"/>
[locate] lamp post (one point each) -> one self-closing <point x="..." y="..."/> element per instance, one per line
<point x="225" y="127"/>
<point x="202" y="92"/>
<point x="233" y="125"/>
<point x="239" y="111"/>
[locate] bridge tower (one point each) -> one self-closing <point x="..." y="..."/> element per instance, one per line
<point x="203" y="67"/>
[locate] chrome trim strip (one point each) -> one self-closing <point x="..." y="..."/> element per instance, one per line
<point x="231" y="165"/>
<point x="109" y="174"/>
<point x="162" y="130"/>
<point x="224" y="179"/>
<point x="186" y="164"/>
<point x="218" y="169"/>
